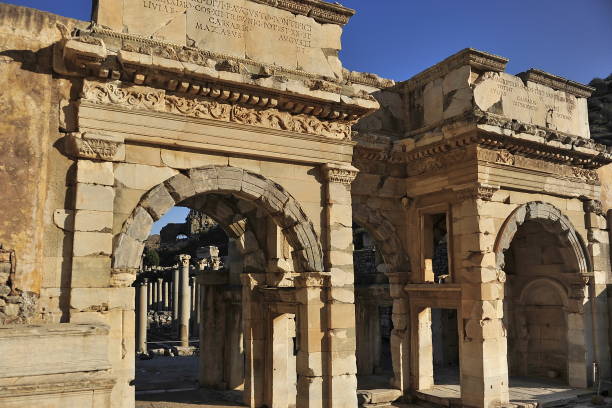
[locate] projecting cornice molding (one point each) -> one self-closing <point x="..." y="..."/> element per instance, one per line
<point x="199" y="84"/>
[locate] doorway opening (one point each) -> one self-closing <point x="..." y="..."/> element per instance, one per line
<point x="374" y="306"/>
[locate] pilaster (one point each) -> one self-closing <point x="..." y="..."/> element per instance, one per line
<point x="340" y="335"/>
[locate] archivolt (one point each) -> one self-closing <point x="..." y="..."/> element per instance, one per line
<point x="551" y="218"/>
<point x="263" y="192"/>
<point x="385" y="235"/>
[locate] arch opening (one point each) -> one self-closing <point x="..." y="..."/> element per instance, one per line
<point x="543" y="258"/>
<point x="269" y="239"/>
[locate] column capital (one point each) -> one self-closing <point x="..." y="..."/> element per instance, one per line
<point x="313" y="280"/>
<point x="476" y="191"/>
<point x="184" y="259"/>
<point x="341" y="173"/>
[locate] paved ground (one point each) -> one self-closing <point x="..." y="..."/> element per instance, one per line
<point x="188" y="399"/>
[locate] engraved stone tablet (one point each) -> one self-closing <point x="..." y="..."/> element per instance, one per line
<point x="238" y="28"/>
<point x="532" y="103"/>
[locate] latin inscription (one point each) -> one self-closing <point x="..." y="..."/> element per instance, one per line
<point x="533" y="99"/>
<point x="228" y="19"/>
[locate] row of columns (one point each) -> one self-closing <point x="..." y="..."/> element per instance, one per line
<point x="179" y="296"/>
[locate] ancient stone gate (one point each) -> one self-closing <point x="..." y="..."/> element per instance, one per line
<point x="478" y="187"/>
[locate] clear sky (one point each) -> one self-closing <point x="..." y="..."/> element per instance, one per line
<point x="399" y="38"/>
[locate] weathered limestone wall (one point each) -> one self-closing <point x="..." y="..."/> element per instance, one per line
<point x="33" y="169"/>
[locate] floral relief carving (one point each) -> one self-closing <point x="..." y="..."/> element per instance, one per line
<point x="205" y="108"/>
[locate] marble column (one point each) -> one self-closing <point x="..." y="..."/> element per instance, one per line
<point x="154" y="301"/>
<point x="166" y="295"/>
<point x="142" y="317"/>
<point x="160" y="294"/>
<point x="175" y="294"/>
<point x="149" y="293"/>
<point x="185" y="306"/>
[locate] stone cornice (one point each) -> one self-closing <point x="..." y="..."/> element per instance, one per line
<point x="479" y="60"/>
<point x="550" y="151"/>
<point x="368" y="79"/>
<point x="557" y="82"/>
<point x="191" y="73"/>
<point x="321" y="11"/>
<point x="376" y="147"/>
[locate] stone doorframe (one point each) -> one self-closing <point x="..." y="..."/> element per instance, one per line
<point x="265" y="194"/>
<point x="398" y="266"/>
<point x="578" y="315"/>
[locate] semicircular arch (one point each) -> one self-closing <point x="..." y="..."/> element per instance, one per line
<point x="384" y="234"/>
<point x="263" y="192"/>
<point x="550" y="217"/>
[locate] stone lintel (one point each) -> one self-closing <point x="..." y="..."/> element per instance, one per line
<point x="556" y="82"/>
<point x="479" y="60"/>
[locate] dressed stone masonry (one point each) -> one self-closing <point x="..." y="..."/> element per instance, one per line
<point x="479" y="189"/>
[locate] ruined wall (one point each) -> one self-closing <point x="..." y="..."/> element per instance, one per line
<point x="600" y="121"/>
<point x="33" y="171"/>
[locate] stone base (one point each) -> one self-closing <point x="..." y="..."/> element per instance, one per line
<point x="186" y="351"/>
<point x="378" y="397"/>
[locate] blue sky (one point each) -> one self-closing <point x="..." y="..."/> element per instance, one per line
<point x="399" y="38"/>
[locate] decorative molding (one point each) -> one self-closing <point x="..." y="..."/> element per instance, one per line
<point x="504" y="157"/>
<point x="340" y="173"/>
<point x="95" y="146"/>
<point x="440" y="162"/>
<point x="557" y="82"/>
<point x="480" y="60"/>
<point x="246" y="109"/>
<point x="594" y="206"/>
<point x="321" y="11"/>
<point x="313" y="280"/>
<point x="368" y="79"/>
<point x="477" y="192"/>
<point x="184" y="259"/>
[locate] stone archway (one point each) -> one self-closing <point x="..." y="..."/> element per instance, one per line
<point x="545" y="266"/>
<point x="200" y="187"/>
<point x="385" y="235"/>
<point x="270" y="196"/>
<point x="547" y="215"/>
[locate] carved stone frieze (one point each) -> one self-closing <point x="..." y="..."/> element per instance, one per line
<point x="340" y="173"/>
<point x="141" y="98"/>
<point x="435" y="163"/>
<point x="560" y="170"/>
<point x="260" y="113"/>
